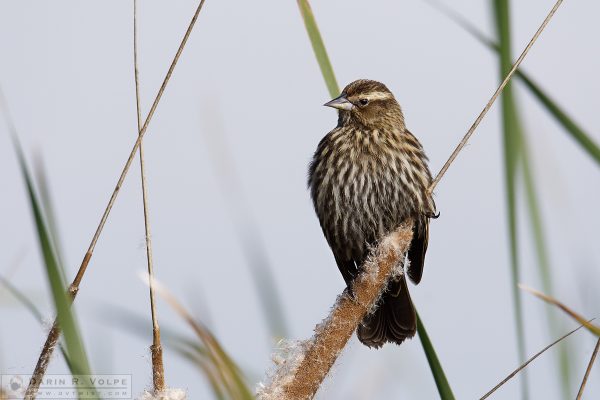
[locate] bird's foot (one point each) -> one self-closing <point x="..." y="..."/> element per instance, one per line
<point x="433" y="215"/>
<point x="349" y="291"/>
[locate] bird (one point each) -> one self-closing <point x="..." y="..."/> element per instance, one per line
<point x="368" y="176"/>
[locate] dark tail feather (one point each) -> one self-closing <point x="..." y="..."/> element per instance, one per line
<point x="394" y="320"/>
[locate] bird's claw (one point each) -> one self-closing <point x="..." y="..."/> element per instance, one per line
<point x="433" y="215"/>
<point x="349" y="291"/>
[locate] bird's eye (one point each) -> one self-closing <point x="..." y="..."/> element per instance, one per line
<point x="363" y="102"/>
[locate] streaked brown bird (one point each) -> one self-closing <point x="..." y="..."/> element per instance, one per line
<point x="367" y="176"/>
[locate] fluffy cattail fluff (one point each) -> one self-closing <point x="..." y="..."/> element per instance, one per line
<point x="367" y="176"/>
<point x="166" y="394"/>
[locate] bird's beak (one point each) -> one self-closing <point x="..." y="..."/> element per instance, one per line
<point x="341" y="103"/>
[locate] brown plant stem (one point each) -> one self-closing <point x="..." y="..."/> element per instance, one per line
<point x="489" y="104"/>
<point x="301" y="380"/>
<point x="54" y="333"/>
<point x="224" y="369"/>
<point x="588" y="370"/>
<point x="526" y="363"/>
<point x="595" y="329"/>
<point x="158" y="370"/>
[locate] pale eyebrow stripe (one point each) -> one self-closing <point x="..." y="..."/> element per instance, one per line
<point x="379" y="96"/>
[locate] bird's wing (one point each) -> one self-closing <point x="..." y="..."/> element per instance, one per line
<point x="417" y="250"/>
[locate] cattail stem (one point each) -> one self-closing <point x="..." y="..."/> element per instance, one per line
<point x="158" y="370"/>
<point x="54" y="333"/>
<point x="299" y="377"/>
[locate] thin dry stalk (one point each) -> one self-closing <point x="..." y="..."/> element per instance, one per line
<point x="588" y="370"/>
<point x="489" y="104"/>
<point x="299" y="377"/>
<point x="54" y="333"/>
<point x="226" y="371"/>
<point x="158" y="370"/>
<point x="595" y="329"/>
<point x="526" y="363"/>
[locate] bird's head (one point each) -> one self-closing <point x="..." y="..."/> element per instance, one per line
<point x="368" y="102"/>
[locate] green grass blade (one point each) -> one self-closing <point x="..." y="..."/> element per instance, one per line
<point x="48" y="209"/>
<point x="268" y="293"/>
<point x="572" y="128"/>
<point x="246" y="228"/>
<point x="191" y="350"/>
<point x="329" y="76"/>
<point x="568" y="123"/>
<point x="28" y="304"/>
<point x="73" y="342"/>
<point x="512" y="149"/>
<point x="434" y="363"/>
<point x="205" y="368"/>
<point x="23" y="299"/>
<point x="319" y="48"/>
<point x="228" y="372"/>
<point x="76" y="356"/>
<point x="535" y="219"/>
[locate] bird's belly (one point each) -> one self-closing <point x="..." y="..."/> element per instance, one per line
<point x="360" y="207"/>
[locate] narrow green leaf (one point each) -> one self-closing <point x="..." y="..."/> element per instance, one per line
<point x="246" y="227"/>
<point x="536" y="222"/>
<point x="534" y="213"/>
<point x="319" y="48"/>
<point x="28" y="304"/>
<point x="568" y="123"/>
<point x="536" y="219"/>
<point x="207" y="370"/>
<point x="73" y="342"/>
<point x="23" y="299"/>
<point x="437" y="371"/>
<point x="227" y="370"/>
<point x="76" y="356"/>
<point x="268" y="292"/>
<point x="43" y="184"/>
<point x="192" y="350"/>
<point x="512" y="150"/>
<point x="572" y="128"/>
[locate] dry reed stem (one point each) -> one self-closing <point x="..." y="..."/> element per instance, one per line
<point x="588" y="370"/>
<point x="53" y="335"/>
<point x="526" y="363"/>
<point x="158" y="370"/>
<point x="299" y="377"/>
<point x="497" y="93"/>
<point x="595" y="329"/>
<point x="225" y="370"/>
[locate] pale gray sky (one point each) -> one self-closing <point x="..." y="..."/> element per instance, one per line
<point x="249" y="73"/>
